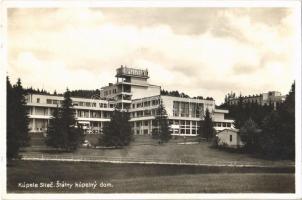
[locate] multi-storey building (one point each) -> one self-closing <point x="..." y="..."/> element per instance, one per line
<point x="183" y="114"/>
<point x="133" y="93"/>
<point x="92" y="113"/>
<point x="271" y="97"/>
<point x="130" y="84"/>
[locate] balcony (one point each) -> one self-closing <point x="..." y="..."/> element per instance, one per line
<point x="125" y="71"/>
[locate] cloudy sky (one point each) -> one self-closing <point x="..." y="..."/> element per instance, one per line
<point x="200" y="51"/>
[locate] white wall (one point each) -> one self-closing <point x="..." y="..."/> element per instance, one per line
<point x="224" y="138"/>
<point x="218" y="116"/>
<point x="141" y="92"/>
<point x="139" y="81"/>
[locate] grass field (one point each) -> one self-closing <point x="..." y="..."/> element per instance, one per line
<point x="139" y="178"/>
<point x="146" y="149"/>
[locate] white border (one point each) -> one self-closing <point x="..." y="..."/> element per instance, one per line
<point x="175" y="3"/>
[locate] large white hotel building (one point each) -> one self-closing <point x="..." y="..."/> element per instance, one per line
<point x="131" y="92"/>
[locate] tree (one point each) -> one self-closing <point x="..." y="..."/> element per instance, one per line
<point x="287" y="113"/>
<point x="270" y="143"/>
<point x="21" y="118"/>
<point x="117" y="132"/>
<point x="239" y="113"/>
<point x="62" y="130"/>
<point x="249" y="134"/>
<point x="12" y="134"/>
<point x="54" y="134"/>
<point x="161" y="131"/>
<point x="17" y="119"/>
<point x="71" y="135"/>
<point x="206" y="129"/>
<point x="278" y="137"/>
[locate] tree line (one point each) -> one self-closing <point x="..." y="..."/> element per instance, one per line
<point x="73" y="93"/>
<point x="176" y="93"/>
<point x="268" y="131"/>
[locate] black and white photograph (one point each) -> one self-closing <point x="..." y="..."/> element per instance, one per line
<point x="184" y="100"/>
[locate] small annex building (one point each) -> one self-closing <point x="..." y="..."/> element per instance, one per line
<point x="229" y="138"/>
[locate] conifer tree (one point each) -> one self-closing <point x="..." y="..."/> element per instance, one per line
<point x="249" y="133"/>
<point x="21" y="118"/>
<point x="206" y="129"/>
<point x="162" y="131"/>
<point x="62" y="130"/>
<point x="12" y="134"/>
<point x="117" y="132"/>
<point x="17" y="119"/>
<point x="71" y="135"/>
<point x="54" y="134"/>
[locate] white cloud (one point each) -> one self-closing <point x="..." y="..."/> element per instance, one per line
<point x="81" y="49"/>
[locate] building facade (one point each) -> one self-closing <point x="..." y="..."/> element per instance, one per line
<point x="272" y="97"/>
<point x="134" y="94"/>
<point x="91" y="114"/>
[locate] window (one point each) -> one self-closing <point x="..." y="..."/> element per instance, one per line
<point x="147" y="112"/>
<point x="48" y="101"/>
<point x="231" y="138"/>
<point x="176" y="108"/>
<point x="38" y="100"/>
<point x="93" y="104"/>
<point x="146" y="123"/>
<point x="228" y="124"/>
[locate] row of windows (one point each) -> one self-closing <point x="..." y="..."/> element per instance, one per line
<point x="182" y="123"/>
<point x="109" y="92"/>
<point x="181" y="131"/>
<point x="144" y="113"/>
<point x="77" y="103"/>
<point x="93" y="104"/>
<point x="187" y="109"/>
<point x="80" y="113"/>
<point x="86" y="104"/>
<point x="93" y="114"/>
<point x="185" y="131"/>
<point x="145" y="104"/>
<point x="51" y="101"/>
<point x="222" y="124"/>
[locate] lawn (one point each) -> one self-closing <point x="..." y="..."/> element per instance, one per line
<point x="146" y="149"/>
<point x="140" y="178"/>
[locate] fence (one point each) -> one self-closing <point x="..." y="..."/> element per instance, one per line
<point x="145" y="160"/>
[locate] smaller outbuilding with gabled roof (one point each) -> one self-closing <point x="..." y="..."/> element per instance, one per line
<point x="229" y="138"/>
